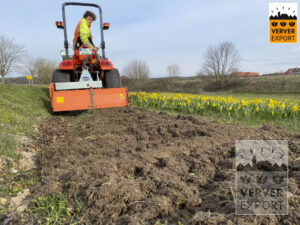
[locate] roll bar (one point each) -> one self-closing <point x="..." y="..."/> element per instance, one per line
<point x="66" y="45"/>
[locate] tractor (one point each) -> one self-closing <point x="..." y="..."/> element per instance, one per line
<point x="85" y="80"/>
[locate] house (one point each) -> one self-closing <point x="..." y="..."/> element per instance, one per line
<point x="292" y="71"/>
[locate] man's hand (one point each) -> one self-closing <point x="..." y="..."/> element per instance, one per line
<point x="95" y="50"/>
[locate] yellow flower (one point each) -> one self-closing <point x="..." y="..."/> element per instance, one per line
<point x="257" y="109"/>
<point x="230" y="108"/>
<point x="283" y="106"/>
<point x="295" y="108"/>
<point x="198" y="105"/>
<point x="244" y="103"/>
<point x="272" y="113"/>
<point x="246" y="113"/>
<point x="214" y="105"/>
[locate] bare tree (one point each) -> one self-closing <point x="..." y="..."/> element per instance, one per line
<point x="173" y="70"/>
<point x="44" y="69"/>
<point x="40" y="68"/>
<point x="221" y="60"/>
<point x="137" y="69"/>
<point x="11" y="55"/>
<point x="30" y="66"/>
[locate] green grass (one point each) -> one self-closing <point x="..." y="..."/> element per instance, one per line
<point x="13" y="184"/>
<point x="21" y="107"/>
<point x="8" y="146"/>
<point x="207" y="84"/>
<point x="54" y="209"/>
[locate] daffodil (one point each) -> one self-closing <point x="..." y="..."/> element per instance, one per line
<point x="295" y="108"/>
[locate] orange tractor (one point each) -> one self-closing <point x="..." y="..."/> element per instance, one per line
<point x="85" y="80"/>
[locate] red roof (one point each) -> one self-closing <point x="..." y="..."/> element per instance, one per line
<point x="292" y="70"/>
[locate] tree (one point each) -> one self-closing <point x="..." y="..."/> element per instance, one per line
<point x="30" y="67"/>
<point x="221" y="60"/>
<point x="45" y="68"/>
<point x="173" y="70"/>
<point x="11" y="55"/>
<point x="40" y="68"/>
<point x="137" y="69"/>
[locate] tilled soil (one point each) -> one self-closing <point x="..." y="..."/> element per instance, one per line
<point x="134" y="166"/>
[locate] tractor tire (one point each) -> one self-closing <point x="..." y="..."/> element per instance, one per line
<point x="59" y="76"/>
<point x="112" y="79"/>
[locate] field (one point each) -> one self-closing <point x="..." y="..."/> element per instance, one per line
<point x="142" y="164"/>
<point x="247" y="109"/>
<point x="275" y="85"/>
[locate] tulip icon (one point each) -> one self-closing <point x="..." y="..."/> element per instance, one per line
<point x="262" y="179"/>
<point x="246" y="179"/>
<point x="277" y="179"/>
<point x="292" y="24"/>
<point x="283" y="24"/>
<point x="274" y="24"/>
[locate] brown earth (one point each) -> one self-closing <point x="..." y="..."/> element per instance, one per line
<point x="135" y="166"/>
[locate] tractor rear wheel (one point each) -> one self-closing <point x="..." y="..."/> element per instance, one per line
<point x="59" y="76"/>
<point x="112" y="79"/>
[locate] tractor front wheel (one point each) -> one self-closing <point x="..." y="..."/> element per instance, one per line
<point x="112" y="79"/>
<point x="59" y="76"/>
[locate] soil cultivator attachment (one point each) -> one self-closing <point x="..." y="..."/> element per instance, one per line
<point x="89" y="98"/>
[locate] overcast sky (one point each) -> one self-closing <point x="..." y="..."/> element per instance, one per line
<point x="160" y="32"/>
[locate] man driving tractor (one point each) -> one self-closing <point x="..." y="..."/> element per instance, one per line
<point x="82" y="34"/>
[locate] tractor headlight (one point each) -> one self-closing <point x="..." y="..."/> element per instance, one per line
<point x="63" y="53"/>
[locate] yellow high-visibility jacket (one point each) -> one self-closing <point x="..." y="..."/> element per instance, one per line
<point x="83" y="31"/>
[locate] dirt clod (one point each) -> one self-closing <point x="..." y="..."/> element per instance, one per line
<point x="27" y="160"/>
<point x="3" y="201"/>
<point x="18" y="201"/>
